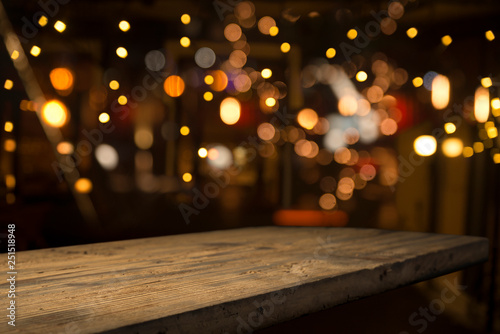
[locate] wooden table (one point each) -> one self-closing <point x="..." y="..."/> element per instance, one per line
<point x="231" y="281"/>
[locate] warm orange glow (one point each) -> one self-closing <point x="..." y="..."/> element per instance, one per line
<point x="440" y="92"/>
<point x="348" y="105"/>
<point x="65" y="147"/>
<point x="330" y="53"/>
<point x="446" y="40"/>
<point x="307" y="118"/>
<point x="208" y="96"/>
<point x="482" y="104"/>
<point x="361" y="76"/>
<point x="54" y="113"/>
<point x="310" y="218"/>
<point x="9" y="145"/>
<point x="184" y="130"/>
<point x="61" y="79"/>
<point x="230" y="110"/>
<point x="83" y="185"/>
<point x="417" y="81"/>
<point x="8" y="127"/>
<point x="266" y="73"/>
<point x="114" y="85"/>
<point x="174" y="86"/>
<point x="104" y="117"/>
<point x="388" y="126"/>
<point x="35" y="51"/>
<point x="220" y="80"/>
<point x="232" y="32"/>
<point x="486" y="82"/>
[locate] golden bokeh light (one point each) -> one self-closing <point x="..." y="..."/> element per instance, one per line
<point x="124" y="26"/>
<point x="496" y="158"/>
<point x="61" y="79"/>
<point x="273" y="31"/>
<point x="307" y="118"/>
<point x="352" y="34"/>
<point x="495" y="103"/>
<point x="43" y="20"/>
<point x="330" y="53"/>
<point x="187" y="177"/>
<point x="9" y="145"/>
<point x="14" y="55"/>
<point x="270" y="102"/>
<point x="8" y="127"/>
<point x="121" y="52"/>
<point x="185" y="19"/>
<point x="209" y="79"/>
<point x="184" y="130"/>
<point x="35" y="51"/>
<point x="478" y="147"/>
<point x="489" y="35"/>
<point x="8" y="84"/>
<point x="468" y="152"/>
<point x="450" y="128"/>
<point x="425" y="145"/>
<point x="174" y="86"/>
<point x="417" y="81"/>
<point x="440" y="94"/>
<point x="486" y="82"/>
<point x="185" y="42"/>
<point x="492" y="132"/>
<point x="10" y="181"/>
<point x="60" y="26"/>
<point x="446" y="40"/>
<point x="122" y="100"/>
<point x="266" y="73"/>
<point x="54" y="113"/>
<point x="412" y="32"/>
<point x="285" y="47"/>
<point x="114" y="85"/>
<point x="230" y="110"/>
<point x="83" y="185"/>
<point x="202" y="152"/>
<point x="65" y="148"/>
<point x="104" y="117"/>
<point x="208" y="96"/>
<point x="361" y="76"/>
<point x="452" y="147"/>
<point x="482" y="104"/>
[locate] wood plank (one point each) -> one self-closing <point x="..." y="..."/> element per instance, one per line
<point x="231" y="281"/>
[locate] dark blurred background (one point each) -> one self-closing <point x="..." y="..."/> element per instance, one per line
<point x="127" y="119"/>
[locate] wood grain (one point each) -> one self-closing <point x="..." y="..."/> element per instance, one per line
<point x="231" y="281"/>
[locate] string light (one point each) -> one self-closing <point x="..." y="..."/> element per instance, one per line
<point x="60" y="26"/>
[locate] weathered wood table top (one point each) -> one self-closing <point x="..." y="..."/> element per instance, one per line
<point x="231" y="281"/>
